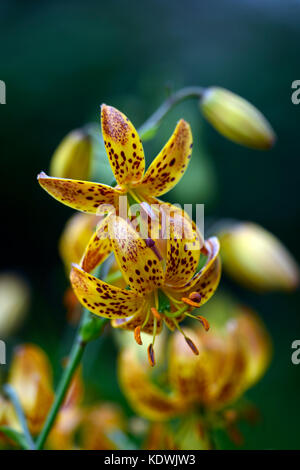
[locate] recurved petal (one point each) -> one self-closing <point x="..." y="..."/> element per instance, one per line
<point x="123" y="146"/>
<point x="101" y="298"/>
<point x="206" y="281"/>
<point x="98" y="247"/>
<point x="84" y="196"/>
<point x="138" y="262"/>
<point x="145" y="397"/>
<point x="168" y="167"/>
<point x="183" y="251"/>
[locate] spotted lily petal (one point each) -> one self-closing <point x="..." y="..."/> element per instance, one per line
<point x="145" y="397"/>
<point x="183" y="251"/>
<point x="98" y="247"/>
<point x="101" y="298"/>
<point x="123" y="145"/>
<point x="168" y="167"/>
<point x="139" y="263"/>
<point x="206" y="281"/>
<point x="81" y="195"/>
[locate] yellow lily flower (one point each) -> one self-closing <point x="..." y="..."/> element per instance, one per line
<point x="232" y="357"/>
<point x="161" y="288"/>
<point x="126" y="156"/>
<point x="98" y="423"/>
<point x="30" y="376"/>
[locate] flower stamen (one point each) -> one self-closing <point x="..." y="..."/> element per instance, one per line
<point x="189" y="342"/>
<point x="151" y="357"/>
<point x="137" y="335"/>
<point x="190" y="302"/>
<point x="201" y="319"/>
<point x="151" y="244"/>
<point x="155" y="313"/>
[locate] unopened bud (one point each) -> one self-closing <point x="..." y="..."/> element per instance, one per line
<point x="257" y="259"/>
<point x="237" y="119"/>
<point x="73" y="157"/>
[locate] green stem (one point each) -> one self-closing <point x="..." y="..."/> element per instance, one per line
<point x="153" y="121"/>
<point x="73" y="362"/>
<point x="75" y="358"/>
<point x="10" y="392"/>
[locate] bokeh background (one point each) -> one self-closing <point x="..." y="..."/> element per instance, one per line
<point x="61" y="60"/>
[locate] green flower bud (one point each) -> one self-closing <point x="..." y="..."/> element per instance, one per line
<point x="73" y="157"/>
<point x="257" y="259"/>
<point x="236" y="119"/>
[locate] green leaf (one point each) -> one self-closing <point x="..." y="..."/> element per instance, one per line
<point x="15" y="436"/>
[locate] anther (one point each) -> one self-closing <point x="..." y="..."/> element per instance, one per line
<point x="204" y="322"/>
<point x="195" y="297"/>
<point x="192" y="345"/>
<point x="137" y="335"/>
<point x="151" y="357"/>
<point x="149" y="242"/>
<point x="190" y="302"/>
<point x="155" y="313"/>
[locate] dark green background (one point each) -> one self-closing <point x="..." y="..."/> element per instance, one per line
<point x="61" y="60"/>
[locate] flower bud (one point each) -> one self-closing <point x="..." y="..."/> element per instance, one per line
<point x="73" y="157"/>
<point x="257" y="259"/>
<point x="14" y="302"/>
<point x="75" y="237"/>
<point x="237" y="119"/>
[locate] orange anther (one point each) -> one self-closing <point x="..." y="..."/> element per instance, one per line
<point x="204" y="322"/>
<point x="137" y="335"/>
<point x="190" y="302"/>
<point x="155" y="313"/>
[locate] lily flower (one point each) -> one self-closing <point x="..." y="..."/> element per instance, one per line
<point x="233" y="356"/>
<point x="160" y="289"/>
<point x="126" y="156"/>
<point x="30" y="376"/>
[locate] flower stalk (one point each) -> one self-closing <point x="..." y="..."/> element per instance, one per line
<point x="149" y="128"/>
<point x="89" y="329"/>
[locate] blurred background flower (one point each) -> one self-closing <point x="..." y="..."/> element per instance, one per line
<point x="233" y="356"/>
